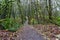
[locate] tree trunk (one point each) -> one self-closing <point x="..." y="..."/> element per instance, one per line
<point x="50" y="10"/>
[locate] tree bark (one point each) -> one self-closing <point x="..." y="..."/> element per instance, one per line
<point x="50" y="10"/>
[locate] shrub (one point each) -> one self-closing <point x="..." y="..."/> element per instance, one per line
<point x="10" y="24"/>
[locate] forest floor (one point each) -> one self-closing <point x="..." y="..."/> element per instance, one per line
<point x="50" y="31"/>
<point x="35" y="32"/>
<point x="27" y="32"/>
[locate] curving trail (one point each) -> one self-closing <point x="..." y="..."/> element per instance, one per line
<point x="28" y="33"/>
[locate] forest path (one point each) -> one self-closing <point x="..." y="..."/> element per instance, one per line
<point x="28" y="33"/>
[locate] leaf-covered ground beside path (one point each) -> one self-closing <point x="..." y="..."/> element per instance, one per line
<point x="50" y="31"/>
<point x="29" y="32"/>
<point x="25" y="33"/>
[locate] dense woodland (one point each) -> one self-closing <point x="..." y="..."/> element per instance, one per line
<point x="13" y="13"/>
<point x="29" y="19"/>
